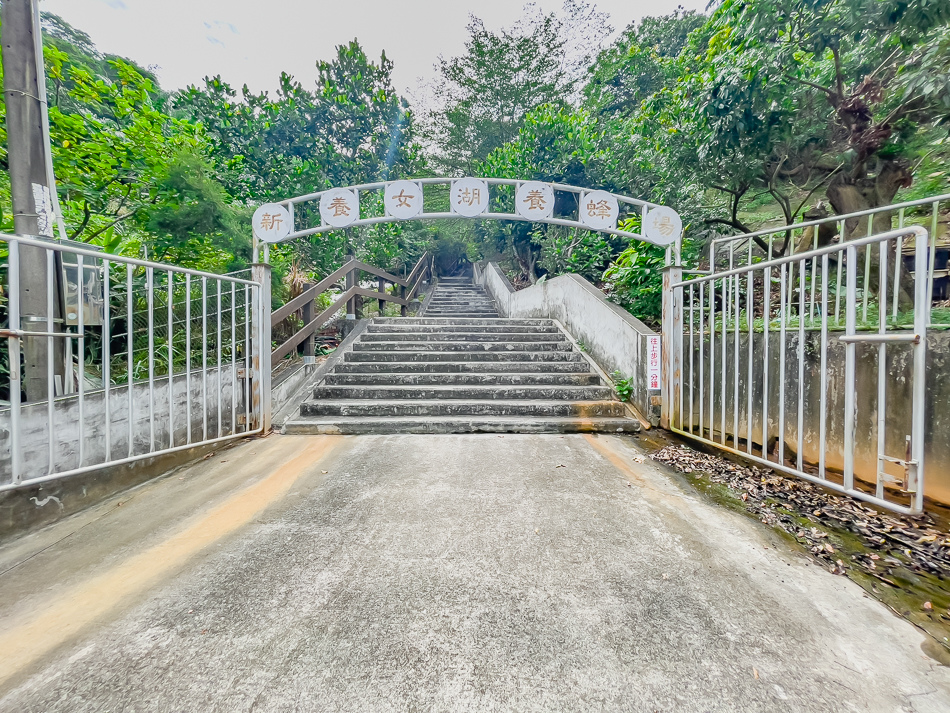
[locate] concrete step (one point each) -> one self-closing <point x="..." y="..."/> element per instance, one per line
<point x="461" y="337"/>
<point x="458" y="407"/>
<point x="449" y="328"/>
<point x="453" y="424"/>
<point x="503" y="393"/>
<point x="463" y="313"/>
<point x="451" y="367"/>
<point x="442" y="321"/>
<point x="391" y="346"/>
<point x="478" y="379"/>
<point x="426" y="356"/>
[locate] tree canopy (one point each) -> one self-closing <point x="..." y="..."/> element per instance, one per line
<point x="755" y="112"/>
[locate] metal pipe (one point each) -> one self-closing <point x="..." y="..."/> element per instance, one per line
<point x="150" y="297"/>
<point x="128" y="341"/>
<point x="107" y="356"/>
<point x="13" y="350"/>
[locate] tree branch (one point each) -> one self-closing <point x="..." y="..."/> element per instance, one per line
<point x="820" y="88"/>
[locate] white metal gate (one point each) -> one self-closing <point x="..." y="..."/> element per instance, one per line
<point x="812" y="363"/>
<point x="138" y="359"/>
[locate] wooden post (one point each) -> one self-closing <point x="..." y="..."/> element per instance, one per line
<point x="403" y="309"/>
<point x="351" y="304"/>
<point x="382" y="289"/>
<point x="308" y="356"/>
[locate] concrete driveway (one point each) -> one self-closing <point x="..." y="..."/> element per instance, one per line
<point x="438" y="573"/>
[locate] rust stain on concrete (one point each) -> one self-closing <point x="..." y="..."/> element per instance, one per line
<point x="70" y="612"/>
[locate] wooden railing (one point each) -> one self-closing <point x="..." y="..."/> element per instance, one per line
<point x="408" y="288"/>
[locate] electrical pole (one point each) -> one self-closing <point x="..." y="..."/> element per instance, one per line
<point x="30" y="187"/>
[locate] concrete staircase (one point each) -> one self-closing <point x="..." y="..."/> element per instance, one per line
<point x="461" y="369"/>
<point x="458" y="297"/>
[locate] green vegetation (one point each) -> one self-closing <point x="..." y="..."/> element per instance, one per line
<point x="622" y="386"/>
<point x="759" y="112"/>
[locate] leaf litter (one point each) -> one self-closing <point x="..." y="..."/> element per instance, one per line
<point x="903" y="560"/>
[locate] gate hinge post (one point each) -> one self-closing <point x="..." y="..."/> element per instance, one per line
<point x="261" y="361"/>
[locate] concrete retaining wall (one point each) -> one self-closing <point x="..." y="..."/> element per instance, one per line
<point x="65" y="431"/>
<point x="897" y="411"/>
<point x="613" y="337"/>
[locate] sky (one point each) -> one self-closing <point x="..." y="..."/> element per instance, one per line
<point x="253" y="41"/>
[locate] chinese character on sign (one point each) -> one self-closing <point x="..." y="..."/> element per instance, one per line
<point x="663" y="225"/>
<point x="653" y="361"/>
<point x="403" y="199"/>
<point x="339" y="207"/>
<point x="600" y="209"/>
<point x="535" y="200"/>
<point x="270" y="221"/>
<point x="470" y="197"/>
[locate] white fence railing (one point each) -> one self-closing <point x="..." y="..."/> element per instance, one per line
<point x="108" y="360"/>
<point x="812" y="363"/>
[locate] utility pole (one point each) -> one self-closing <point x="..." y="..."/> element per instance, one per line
<point x="31" y="186"/>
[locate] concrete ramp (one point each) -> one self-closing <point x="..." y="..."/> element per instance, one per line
<point x="439" y="573"/>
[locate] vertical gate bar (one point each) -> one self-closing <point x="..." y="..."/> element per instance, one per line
<point x="150" y="297"/>
<point x="81" y="348"/>
<point x="850" y="308"/>
<point x="823" y="369"/>
<point x="204" y="358"/>
<point x="13" y="349"/>
<point x="247" y="358"/>
<point x="933" y="255"/>
<point x="767" y="313"/>
<point x="923" y="295"/>
<point x="735" y="364"/>
<point x="233" y="359"/>
<point x="881" y="369"/>
<point x="813" y="274"/>
<point x="840" y="262"/>
<point x="865" y="288"/>
<point x="50" y="375"/>
<point x="726" y="288"/>
<point x="692" y="347"/>
<point x="898" y="255"/>
<point x="750" y="323"/>
<point x="678" y="323"/>
<point x="782" y="336"/>
<point x="188" y="357"/>
<point x="106" y="357"/>
<point x="129" y="315"/>
<point x="801" y="363"/>
<point x="171" y="359"/>
<point x="702" y="358"/>
<point x="713" y="372"/>
<point x="217" y="340"/>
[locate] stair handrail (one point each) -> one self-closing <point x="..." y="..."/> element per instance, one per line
<point x="413" y="281"/>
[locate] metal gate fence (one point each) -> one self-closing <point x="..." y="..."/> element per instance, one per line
<point x="121" y="360"/>
<point x="793" y="362"/>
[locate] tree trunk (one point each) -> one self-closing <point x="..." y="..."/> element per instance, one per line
<point x="849" y="195"/>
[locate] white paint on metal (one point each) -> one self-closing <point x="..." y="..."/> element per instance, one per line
<point x="469" y="197"/>
<point x="403" y="199"/>
<point x="272" y="223"/>
<point x="340" y="207"/>
<point x="806" y="329"/>
<point x="534" y="200"/>
<point x="662" y="225"/>
<point x="599" y="210"/>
